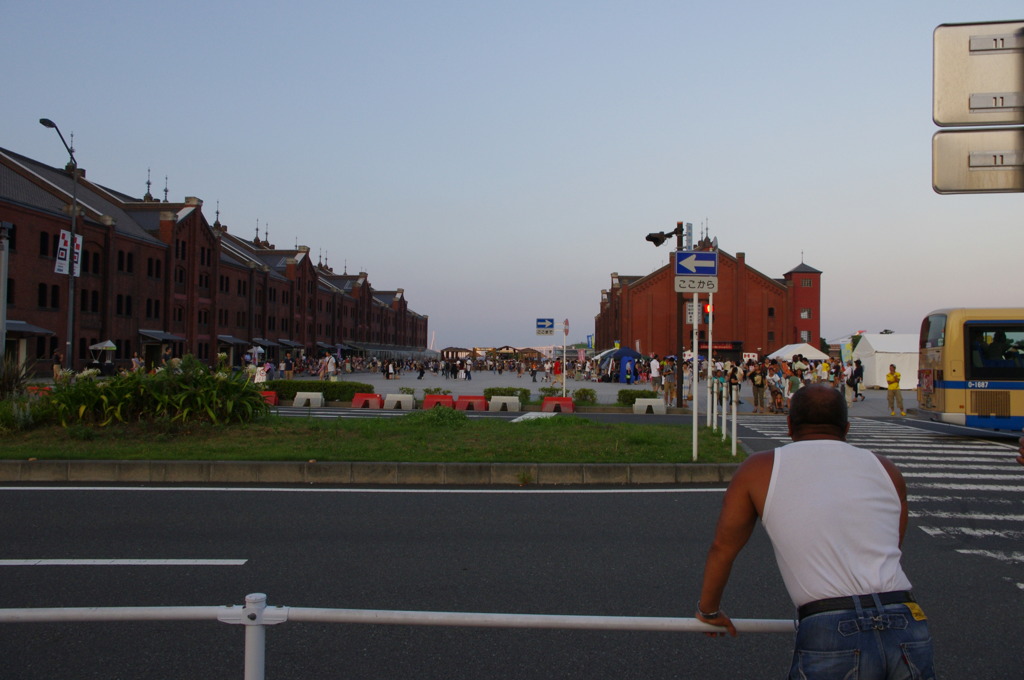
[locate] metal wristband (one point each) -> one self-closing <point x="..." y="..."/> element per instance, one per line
<point x="708" y="615"/>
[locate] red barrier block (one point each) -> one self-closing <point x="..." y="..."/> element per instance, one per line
<point x="270" y="398"/>
<point x="558" y="405"/>
<point x="471" y="403"/>
<point x="435" y="400"/>
<point x="367" y="400"/>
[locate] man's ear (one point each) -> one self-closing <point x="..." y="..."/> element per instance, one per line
<point x="846" y="430"/>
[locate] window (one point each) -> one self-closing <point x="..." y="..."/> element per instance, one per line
<point x="41" y="298"/>
<point x="771" y="312"/>
<point x="44" y="244"/>
<point x="993" y="351"/>
<point x="10" y="292"/>
<point x="55" y="296"/>
<point x="805" y="336"/>
<point x="806" y="283"/>
<point x="805" y="313"/>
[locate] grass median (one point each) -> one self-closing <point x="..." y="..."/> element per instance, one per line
<point x="438" y="435"/>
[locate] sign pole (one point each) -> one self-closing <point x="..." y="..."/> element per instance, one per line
<point x="711" y="324"/>
<point x="694" y="378"/>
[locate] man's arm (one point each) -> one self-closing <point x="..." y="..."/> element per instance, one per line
<point x="743" y="503"/>
<point x="901" y="491"/>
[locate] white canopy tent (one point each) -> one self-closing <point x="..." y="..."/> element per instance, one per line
<point x="877" y="350"/>
<point x="808" y="351"/>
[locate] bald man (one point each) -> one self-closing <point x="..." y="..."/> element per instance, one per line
<point x="836" y="516"/>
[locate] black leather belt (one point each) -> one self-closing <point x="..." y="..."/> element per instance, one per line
<point x="833" y="604"/>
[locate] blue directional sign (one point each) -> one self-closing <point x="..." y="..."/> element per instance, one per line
<point x="696" y="263"/>
<point x="545" y="326"/>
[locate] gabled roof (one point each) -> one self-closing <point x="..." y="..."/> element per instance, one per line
<point x="803" y="269"/>
<point x="39" y="186"/>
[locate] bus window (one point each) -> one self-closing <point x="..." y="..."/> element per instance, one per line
<point x="933" y="331"/>
<point x="995" y="352"/>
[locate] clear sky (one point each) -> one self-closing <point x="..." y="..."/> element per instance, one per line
<point x="500" y="159"/>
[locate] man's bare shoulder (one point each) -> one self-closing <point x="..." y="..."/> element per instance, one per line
<point x="757" y="467"/>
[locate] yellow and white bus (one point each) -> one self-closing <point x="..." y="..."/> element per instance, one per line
<point x="971" y="368"/>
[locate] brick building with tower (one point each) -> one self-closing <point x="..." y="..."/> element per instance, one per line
<point x="752" y="312"/>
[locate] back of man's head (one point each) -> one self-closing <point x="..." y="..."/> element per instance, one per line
<point x="818" y="409"/>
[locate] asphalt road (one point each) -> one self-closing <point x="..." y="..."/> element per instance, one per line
<point x="636" y="553"/>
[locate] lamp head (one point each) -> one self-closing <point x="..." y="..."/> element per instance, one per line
<point x="657" y="238"/>
<point x="46" y="122"/>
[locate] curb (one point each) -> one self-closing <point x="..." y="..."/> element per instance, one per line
<point x="359" y="473"/>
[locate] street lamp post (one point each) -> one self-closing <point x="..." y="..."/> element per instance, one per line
<point x="72" y="259"/>
<point x="657" y="238"/>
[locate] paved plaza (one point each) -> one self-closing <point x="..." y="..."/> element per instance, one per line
<point x="607" y="393"/>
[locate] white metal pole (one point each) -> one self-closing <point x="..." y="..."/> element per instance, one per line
<point x="255" y="637"/>
<point x="735" y="403"/>
<point x="713" y="404"/>
<point x="694" y="378"/>
<point x="725" y="407"/>
<point x="565" y="365"/>
<point x="711" y="326"/>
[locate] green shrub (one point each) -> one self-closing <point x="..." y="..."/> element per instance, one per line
<point x="14" y="376"/>
<point x="332" y="391"/>
<point x="185" y="392"/>
<point x="550" y="391"/>
<point x="411" y="391"/>
<point x="21" y="413"/>
<point x="522" y="392"/>
<point x="435" y="390"/>
<point x="441" y="416"/>
<point x="584" y="395"/>
<point x="628" y="397"/>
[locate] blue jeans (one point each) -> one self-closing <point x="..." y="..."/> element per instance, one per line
<point x="863" y="644"/>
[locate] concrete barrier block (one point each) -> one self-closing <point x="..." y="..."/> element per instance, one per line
<point x="434" y="400"/>
<point x="557" y="405"/>
<point x="510" y="404"/>
<point x="649" y="406"/>
<point x="474" y="403"/>
<point x="367" y="400"/>
<point x="399" y="401"/>
<point x="310" y="399"/>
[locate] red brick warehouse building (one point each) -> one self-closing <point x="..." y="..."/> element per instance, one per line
<point x="158" y="274"/>
<point x="752" y="312"/>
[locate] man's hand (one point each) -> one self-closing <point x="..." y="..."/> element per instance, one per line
<point x="720" y="620"/>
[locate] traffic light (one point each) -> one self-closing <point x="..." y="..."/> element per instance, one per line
<point x="709" y="309"/>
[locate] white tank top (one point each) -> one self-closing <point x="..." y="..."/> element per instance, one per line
<point x="833" y="516"/>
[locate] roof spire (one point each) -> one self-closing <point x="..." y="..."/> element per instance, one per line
<point x="165" y="189"/>
<point x="216" y="221"/>
<point x="149" y="184"/>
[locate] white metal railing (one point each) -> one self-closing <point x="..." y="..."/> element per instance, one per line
<point x="255" y="615"/>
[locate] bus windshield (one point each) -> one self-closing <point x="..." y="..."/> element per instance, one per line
<point x="995" y="351"/>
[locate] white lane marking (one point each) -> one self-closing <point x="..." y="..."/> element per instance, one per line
<point x="121" y="563"/>
<point x="971" y="487"/>
<point x="941" y="475"/>
<point x="1011" y="558"/>
<point x="223" y="489"/>
<point x="979" y="516"/>
<point x="949" y="532"/>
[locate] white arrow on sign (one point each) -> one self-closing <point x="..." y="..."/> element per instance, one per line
<point x="545" y="323"/>
<point x="694" y="264"/>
